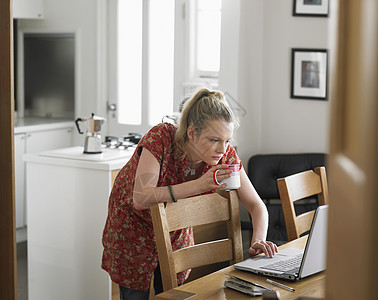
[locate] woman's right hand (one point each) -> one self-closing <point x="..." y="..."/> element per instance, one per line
<point x="206" y="181"/>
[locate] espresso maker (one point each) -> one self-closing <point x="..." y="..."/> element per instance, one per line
<point x="92" y="143"/>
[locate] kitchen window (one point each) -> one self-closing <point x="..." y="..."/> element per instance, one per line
<point x="140" y="57"/>
<point x="129" y="61"/>
<point x="151" y="56"/>
<point x="204" y="39"/>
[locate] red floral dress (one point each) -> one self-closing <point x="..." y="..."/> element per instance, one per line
<point x="130" y="255"/>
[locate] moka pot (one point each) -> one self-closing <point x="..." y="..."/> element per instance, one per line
<point x="92" y="143"/>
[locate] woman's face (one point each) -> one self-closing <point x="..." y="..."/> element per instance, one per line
<point x="211" y="144"/>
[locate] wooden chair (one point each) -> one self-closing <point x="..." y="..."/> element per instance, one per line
<point x="296" y="187"/>
<point x="190" y="212"/>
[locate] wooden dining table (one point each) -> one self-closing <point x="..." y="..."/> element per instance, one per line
<point x="212" y="286"/>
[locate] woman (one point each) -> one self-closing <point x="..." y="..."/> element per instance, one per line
<point x="171" y="163"/>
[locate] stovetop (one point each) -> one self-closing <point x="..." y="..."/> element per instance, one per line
<point x="121" y="143"/>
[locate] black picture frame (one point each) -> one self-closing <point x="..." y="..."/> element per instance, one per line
<point x="310" y="8"/>
<point x="309" y="74"/>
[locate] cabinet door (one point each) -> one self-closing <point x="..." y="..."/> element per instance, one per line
<point x="19" y="150"/>
<point x="28" y="9"/>
<point x="48" y="140"/>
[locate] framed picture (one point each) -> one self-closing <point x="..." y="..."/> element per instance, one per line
<point x="309" y="74"/>
<point x="310" y="8"/>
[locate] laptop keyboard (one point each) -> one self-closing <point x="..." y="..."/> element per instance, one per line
<point x="285" y="264"/>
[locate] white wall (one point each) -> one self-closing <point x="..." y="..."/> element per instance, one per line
<point x="274" y="123"/>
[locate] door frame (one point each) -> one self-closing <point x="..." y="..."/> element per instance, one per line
<point x="353" y="157"/>
<point x="8" y="255"/>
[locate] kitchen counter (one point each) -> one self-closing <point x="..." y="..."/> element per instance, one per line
<point x="67" y="198"/>
<point x="110" y="159"/>
<point x="38" y="124"/>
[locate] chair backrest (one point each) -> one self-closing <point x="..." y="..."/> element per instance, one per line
<point x="296" y="187"/>
<point x="190" y="212"/>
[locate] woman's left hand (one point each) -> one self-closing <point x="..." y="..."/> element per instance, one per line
<point x="266" y="247"/>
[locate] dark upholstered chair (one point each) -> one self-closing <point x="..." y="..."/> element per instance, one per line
<point x="264" y="170"/>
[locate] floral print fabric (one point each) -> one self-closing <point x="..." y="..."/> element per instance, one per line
<point x="130" y="255"/>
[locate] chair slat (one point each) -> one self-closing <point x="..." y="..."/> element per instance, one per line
<point x="303" y="185"/>
<point x="304" y="221"/>
<point x="194" y="211"/>
<point x="203" y="254"/>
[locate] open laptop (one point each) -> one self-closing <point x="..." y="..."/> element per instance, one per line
<point x="292" y="263"/>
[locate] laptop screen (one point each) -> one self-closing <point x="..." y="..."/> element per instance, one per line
<point x="314" y="258"/>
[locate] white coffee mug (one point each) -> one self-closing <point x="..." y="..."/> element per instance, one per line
<point x="233" y="182"/>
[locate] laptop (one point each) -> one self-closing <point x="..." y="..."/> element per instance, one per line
<point x="291" y="263"/>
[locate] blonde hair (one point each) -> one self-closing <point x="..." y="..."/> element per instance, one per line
<point x="204" y="106"/>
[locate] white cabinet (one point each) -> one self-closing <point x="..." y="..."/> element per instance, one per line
<point x="68" y="204"/>
<point x="33" y="142"/>
<point x="19" y="151"/>
<point x="28" y="9"/>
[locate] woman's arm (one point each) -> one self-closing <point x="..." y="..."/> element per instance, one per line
<point x="256" y="207"/>
<point x="146" y="191"/>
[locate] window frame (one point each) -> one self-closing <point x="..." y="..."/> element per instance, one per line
<point x="193" y="73"/>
